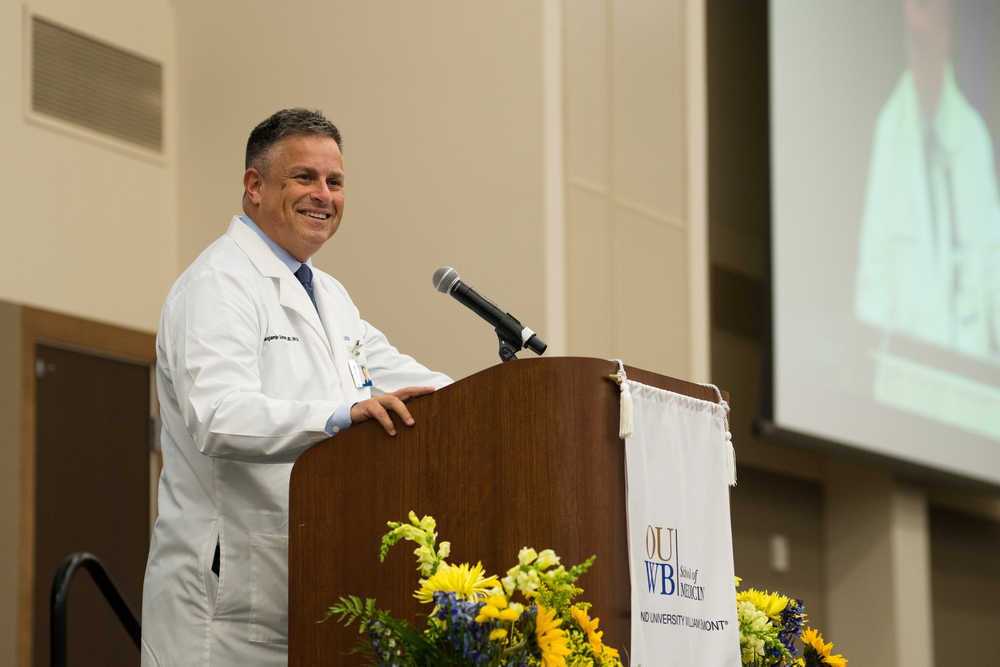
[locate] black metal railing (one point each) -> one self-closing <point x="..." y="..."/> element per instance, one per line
<point x="60" y="592"/>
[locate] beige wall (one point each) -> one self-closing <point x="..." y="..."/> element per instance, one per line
<point x="450" y="120"/>
<point x="440" y="105"/>
<point x="448" y="130"/>
<point x="86" y="229"/>
<point x="631" y="216"/>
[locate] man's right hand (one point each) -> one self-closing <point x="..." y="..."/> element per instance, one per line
<point x="378" y="407"/>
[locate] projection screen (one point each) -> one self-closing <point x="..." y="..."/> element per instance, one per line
<point x="885" y="246"/>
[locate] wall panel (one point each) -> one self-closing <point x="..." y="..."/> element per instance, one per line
<point x="590" y="275"/>
<point x="586" y="91"/>
<point x="652" y="295"/>
<point x="649" y="102"/>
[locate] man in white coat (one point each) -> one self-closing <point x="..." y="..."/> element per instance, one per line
<point x="259" y="356"/>
<point x="929" y="249"/>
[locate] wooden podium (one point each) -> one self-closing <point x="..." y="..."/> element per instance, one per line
<point x="521" y="454"/>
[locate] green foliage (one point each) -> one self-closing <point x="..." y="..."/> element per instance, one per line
<point x="420" y="651"/>
<point x="582" y="655"/>
<point x="389" y="540"/>
<point x="350" y="609"/>
<point x="558" y="598"/>
<point x="578" y="571"/>
<point x="812" y="658"/>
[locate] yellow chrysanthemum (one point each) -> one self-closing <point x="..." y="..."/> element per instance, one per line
<point x="509" y="615"/>
<point x="487" y="614"/>
<point x="813" y="638"/>
<point x="552" y="642"/>
<point x="467" y="582"/>
<point x="772" y="604"/>
<point x="496" y="607"/>
<point x="499" y="633"/>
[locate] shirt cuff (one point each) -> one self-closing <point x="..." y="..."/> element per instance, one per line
<point x="340" y="420"/>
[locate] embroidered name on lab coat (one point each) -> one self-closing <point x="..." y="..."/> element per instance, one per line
<point x="270" y="338"/>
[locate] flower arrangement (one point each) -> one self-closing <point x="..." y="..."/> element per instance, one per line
<point x="475" y="620"/>
<point x="769" y="624"/>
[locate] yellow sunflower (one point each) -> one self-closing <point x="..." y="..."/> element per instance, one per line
<point x="772" y="604"/>
<point x="814" y="639"/>
<point x="593" y="635"/>
<point x="553" y="642"/>
<point x="467" y="582"/>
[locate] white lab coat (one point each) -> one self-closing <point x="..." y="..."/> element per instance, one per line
<point x="929" y="255"/>
<point x="247" y="376"/>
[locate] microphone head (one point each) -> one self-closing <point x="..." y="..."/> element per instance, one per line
<point x="445" y="279"/>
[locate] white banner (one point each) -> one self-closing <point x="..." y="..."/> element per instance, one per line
<point x="680" y="539"/>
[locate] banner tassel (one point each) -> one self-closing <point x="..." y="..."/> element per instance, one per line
<point x="625" y="422"/>
<point x="730" y="458"/>
<point x="730" y="450"/>
<point x="626" y="426"/>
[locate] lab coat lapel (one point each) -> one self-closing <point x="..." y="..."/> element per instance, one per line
<point x="291" y="294"/>
<point x="335" y="334"/>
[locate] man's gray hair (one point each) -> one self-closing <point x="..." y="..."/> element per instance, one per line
<point x="281" y="125"/>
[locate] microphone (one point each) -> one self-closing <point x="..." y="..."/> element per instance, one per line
<point x="513" y="335"/>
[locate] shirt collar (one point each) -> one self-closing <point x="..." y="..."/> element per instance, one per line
<point x="282" y="254"/>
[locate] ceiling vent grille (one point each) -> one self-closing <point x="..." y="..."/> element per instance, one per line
<point x="97" y="86"/>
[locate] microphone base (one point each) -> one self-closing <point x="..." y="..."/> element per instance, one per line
<point x="508" y="352"/>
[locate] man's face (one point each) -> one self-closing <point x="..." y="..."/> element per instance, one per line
<point x="299" y="201"/>
<point x="928" y="42"/>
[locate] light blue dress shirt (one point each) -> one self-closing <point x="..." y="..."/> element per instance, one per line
<point x="340" y="420"/>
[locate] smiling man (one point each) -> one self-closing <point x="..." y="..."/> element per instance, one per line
<point x="259" y="356"/>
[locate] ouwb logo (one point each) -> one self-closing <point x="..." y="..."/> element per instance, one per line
<point x="664" y="574"/>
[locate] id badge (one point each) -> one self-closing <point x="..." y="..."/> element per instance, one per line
<point x="360" y="374"/>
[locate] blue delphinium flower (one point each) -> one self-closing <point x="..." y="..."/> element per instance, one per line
<point x="384" y="644"/>
<point x="468" y="639"/>
<point x="792" y="617"/>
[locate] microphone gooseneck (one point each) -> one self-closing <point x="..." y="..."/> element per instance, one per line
<point x="512" y="334"/>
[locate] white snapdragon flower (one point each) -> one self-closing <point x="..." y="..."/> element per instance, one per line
<point x="527" y="582"/>
<point x="753" y="624"/>
<point x="526" y="556"/>
<point x="425" y="560"/>
<point x="427" y="524"/>
<point x="547" y="559"/>
<point x="411" y="533"/>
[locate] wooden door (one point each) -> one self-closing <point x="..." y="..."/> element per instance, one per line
<point x="91" y="494"/>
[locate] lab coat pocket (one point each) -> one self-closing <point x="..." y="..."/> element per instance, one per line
<point x="268" y="589"/>
<point x="213" y="581"/>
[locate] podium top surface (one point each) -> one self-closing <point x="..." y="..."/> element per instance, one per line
<point x="601" y="368"/>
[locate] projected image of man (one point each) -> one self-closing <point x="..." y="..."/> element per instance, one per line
<point x="929" y="255"/>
